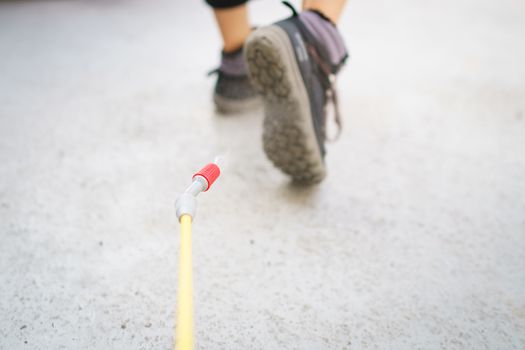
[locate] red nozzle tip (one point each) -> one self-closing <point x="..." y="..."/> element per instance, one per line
<point x="210" y="173"/>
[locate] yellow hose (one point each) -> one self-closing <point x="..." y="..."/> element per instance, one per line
<point x="184" y="326"/>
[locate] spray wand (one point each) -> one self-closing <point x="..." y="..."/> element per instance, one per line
<point x="185" y="207"/>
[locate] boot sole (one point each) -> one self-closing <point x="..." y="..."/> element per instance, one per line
<point x="231" y="106"/>
<point x="289" y="138"/>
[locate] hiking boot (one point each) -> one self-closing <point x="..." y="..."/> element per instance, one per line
<point x="292" y="64"/>
<point x="233" y="91"/>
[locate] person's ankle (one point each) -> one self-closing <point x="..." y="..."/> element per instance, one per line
<point x="232" y="62"/>
<point x="327" y="34"/>
<point x="322" y="15"/>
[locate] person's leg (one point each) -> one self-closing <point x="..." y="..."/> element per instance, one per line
<point x="233" y="91"/>
<point x="292" y="64"/>
<point x="233" y="25"/>
<point x="332" y="9"/>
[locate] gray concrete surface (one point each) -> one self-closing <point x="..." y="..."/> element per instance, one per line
<point x="416" y="240"/>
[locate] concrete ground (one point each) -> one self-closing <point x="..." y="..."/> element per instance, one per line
<point x="416" y="240"/>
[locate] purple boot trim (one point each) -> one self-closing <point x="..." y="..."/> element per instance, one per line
<point x="327" y="34"/>
<point x="232" y="63"/>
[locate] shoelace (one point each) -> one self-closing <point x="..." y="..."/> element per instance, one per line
<point x="212" y="72"/>
<point x="331" y="94"/>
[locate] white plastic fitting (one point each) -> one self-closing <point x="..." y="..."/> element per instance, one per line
<point x="186" y="204"/>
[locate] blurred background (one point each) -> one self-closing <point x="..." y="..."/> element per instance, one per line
<point x="416" y="239"/>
